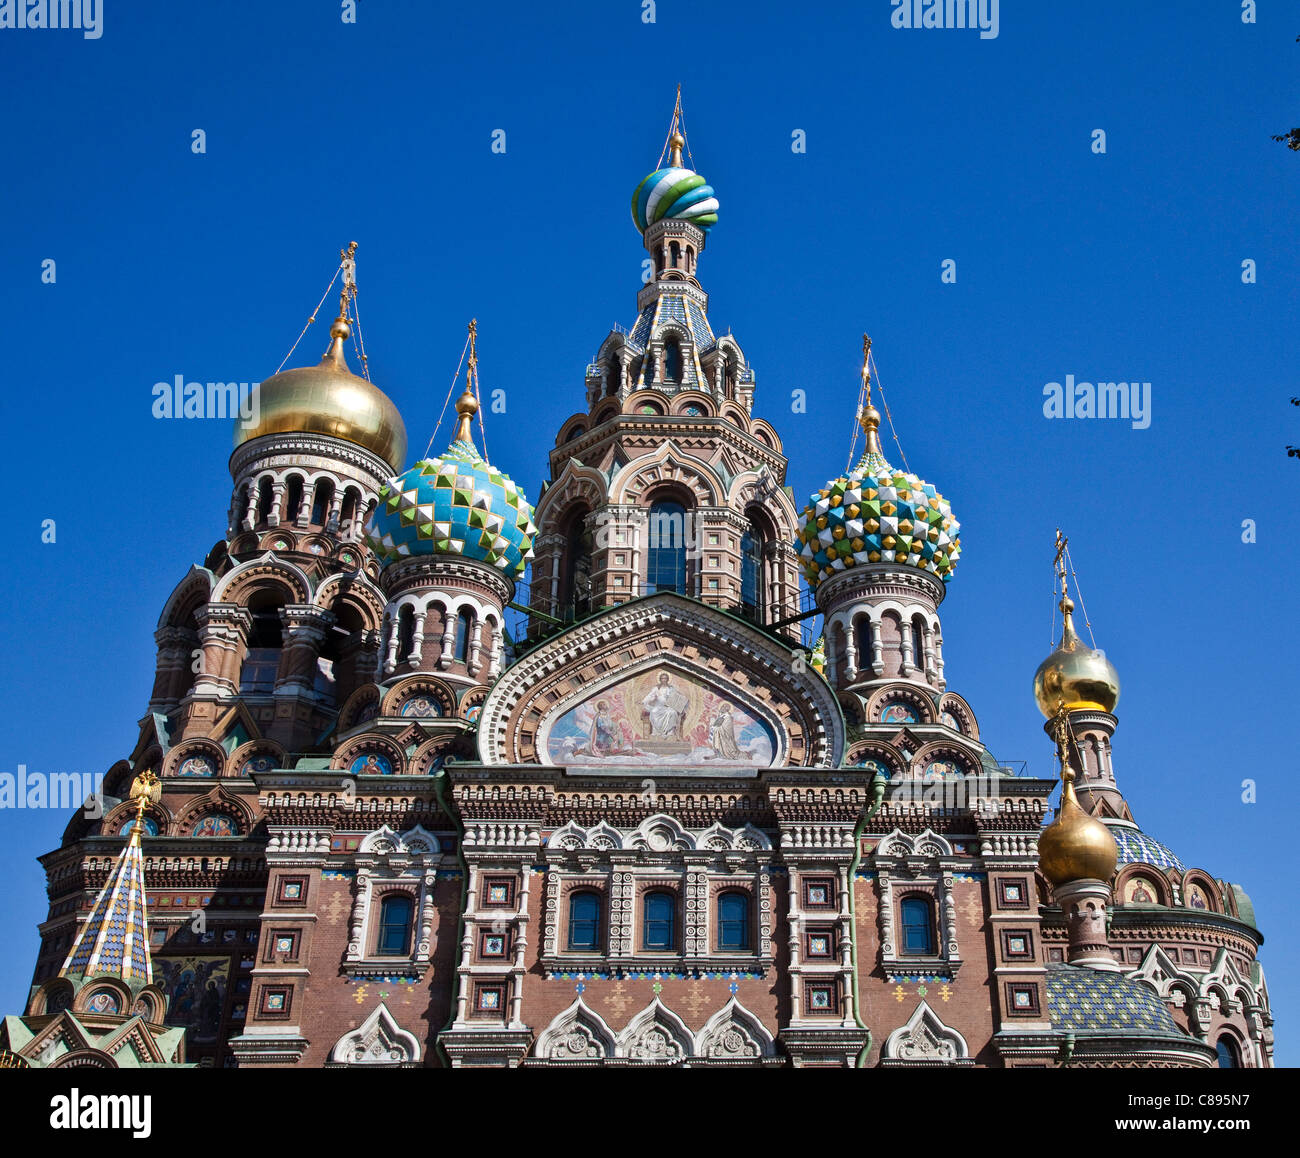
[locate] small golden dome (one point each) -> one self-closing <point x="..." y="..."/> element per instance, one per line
<point x="1074" y="846"/>
<point x="329" y="399"/>
<point x="1079" y="676"/>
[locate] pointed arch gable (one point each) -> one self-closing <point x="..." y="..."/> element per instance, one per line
<point x="577" y="1034"/>
<point x="656" y="1035"/>
<point x="734" y="1034"/>
<point x="193" y="590"/>
<point x="577" y="483"/>
<point x="238" y="583"/>
<point x="925" y="1041"/>
<point x="667" y="464"/>
<point x="378" y="1041"/>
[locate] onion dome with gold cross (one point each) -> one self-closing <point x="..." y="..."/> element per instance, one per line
<point x="877" y="514"/>
<point x="329" y="399"/>
<point x="1076" y="675"/>
<point x="455" y="504"/>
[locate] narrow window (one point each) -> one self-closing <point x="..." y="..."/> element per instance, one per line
<point x="1226" y="1049"/>
<point x="918" y="645"/>
<point x="672" y="361"/>
<point x="862" y="640"/>
<point x="751" y="569"/>
<point x="666" y="558"/>
<point x="584" y="922"/>
<point x="464" y="626"/>
<point x="659" y="921"/>
<point x="395" y="926"/>
<point x="733" y="922"/>
<point x="918" y="927"/>
<point x="264" y="498"/>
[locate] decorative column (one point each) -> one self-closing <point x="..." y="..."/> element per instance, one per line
<point x="905" y="629"/>
<point x="223" y="635"/>
<point x="250" y="508"/>
<point x="305" y="629"/>
<point x="474" y="652"/>
<point x="417" y="637"/>
<point x="277" y="504"/>
<point x="450" y="620"/>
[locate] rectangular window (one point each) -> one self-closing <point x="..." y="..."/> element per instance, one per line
<point x="257" y="675"/>
<point x="659" y="922"/>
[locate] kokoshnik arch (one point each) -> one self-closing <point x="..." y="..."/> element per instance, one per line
<point x="644" y="832"/>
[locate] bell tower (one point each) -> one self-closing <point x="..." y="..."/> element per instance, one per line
<point x="667" y="481"/>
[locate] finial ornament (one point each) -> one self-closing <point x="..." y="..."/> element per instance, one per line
<point x="467" y="403"/>
<point x="341" y="329"/>
<point x="146" y="789"/>
<point x="675" y="138"/>
<point x="869" y="416"/>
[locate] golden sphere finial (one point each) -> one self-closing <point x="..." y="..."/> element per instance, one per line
<point x="1075" y="846"/>
<point x="340" y="329"/>
<point x="467" y="404"/>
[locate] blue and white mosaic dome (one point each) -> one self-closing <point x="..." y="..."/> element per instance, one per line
<point x="1135" y="847"/>
<point x="456" y="504"/>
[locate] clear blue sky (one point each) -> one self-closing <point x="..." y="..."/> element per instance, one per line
<point x="921" y="146"/>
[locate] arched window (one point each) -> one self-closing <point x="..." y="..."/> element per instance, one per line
<point x="584" y="922"/>
<point x="575" y="590"/>
<point x="918" y="644"/>
<point x="464" y="628"/>
<point x="405" y="631"/>
<point x="666" y="557"/>
<point x="751" y="571"/>
<point x="918" y="927"/>
<point x="348" y="525"/>
<point x="293" y="499"/>
<point x="612" y="375"/>
<point x="265" y="644"/>
<point x="862" y="641"/>
<point x="323" y="496"/>
<point x="264" y="499"/>
<point x="659" y="921"/>
<point x="675" y="254"/>
<point x="1229" y="1057"/>
<point x="690" y="259"/>
<point x="672" y="361"/>
<point x="648" y="366"/>
<point x="394" y="926"/>
<point x="733" y="922"/>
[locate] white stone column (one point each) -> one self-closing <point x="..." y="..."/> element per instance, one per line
<point x="417" y="635"/>
<point x="474" y="654"/>
<point x="905" y="627"/>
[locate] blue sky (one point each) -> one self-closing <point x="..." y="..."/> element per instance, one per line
<point x="922" y="146"/>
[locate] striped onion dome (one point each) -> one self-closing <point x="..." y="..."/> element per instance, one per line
<point x="674" y="192"/>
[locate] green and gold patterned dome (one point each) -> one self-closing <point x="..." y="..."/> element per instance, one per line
<point x="877" y="514"/>
<point x="455" y="504"/>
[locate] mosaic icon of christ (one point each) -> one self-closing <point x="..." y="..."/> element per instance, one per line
<point x="665" y="707"/>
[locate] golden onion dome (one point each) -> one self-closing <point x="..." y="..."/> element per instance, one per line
<point x="1074" y="846"/>
<point x="1075" y="674"/>
<point x="329" y="399"/>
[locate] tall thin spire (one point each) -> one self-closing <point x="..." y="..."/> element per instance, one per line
<point x="467" y="404"/>
<point x="115" y="937"/>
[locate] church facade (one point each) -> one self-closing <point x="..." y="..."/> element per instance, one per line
<point x="366" y="824"/>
